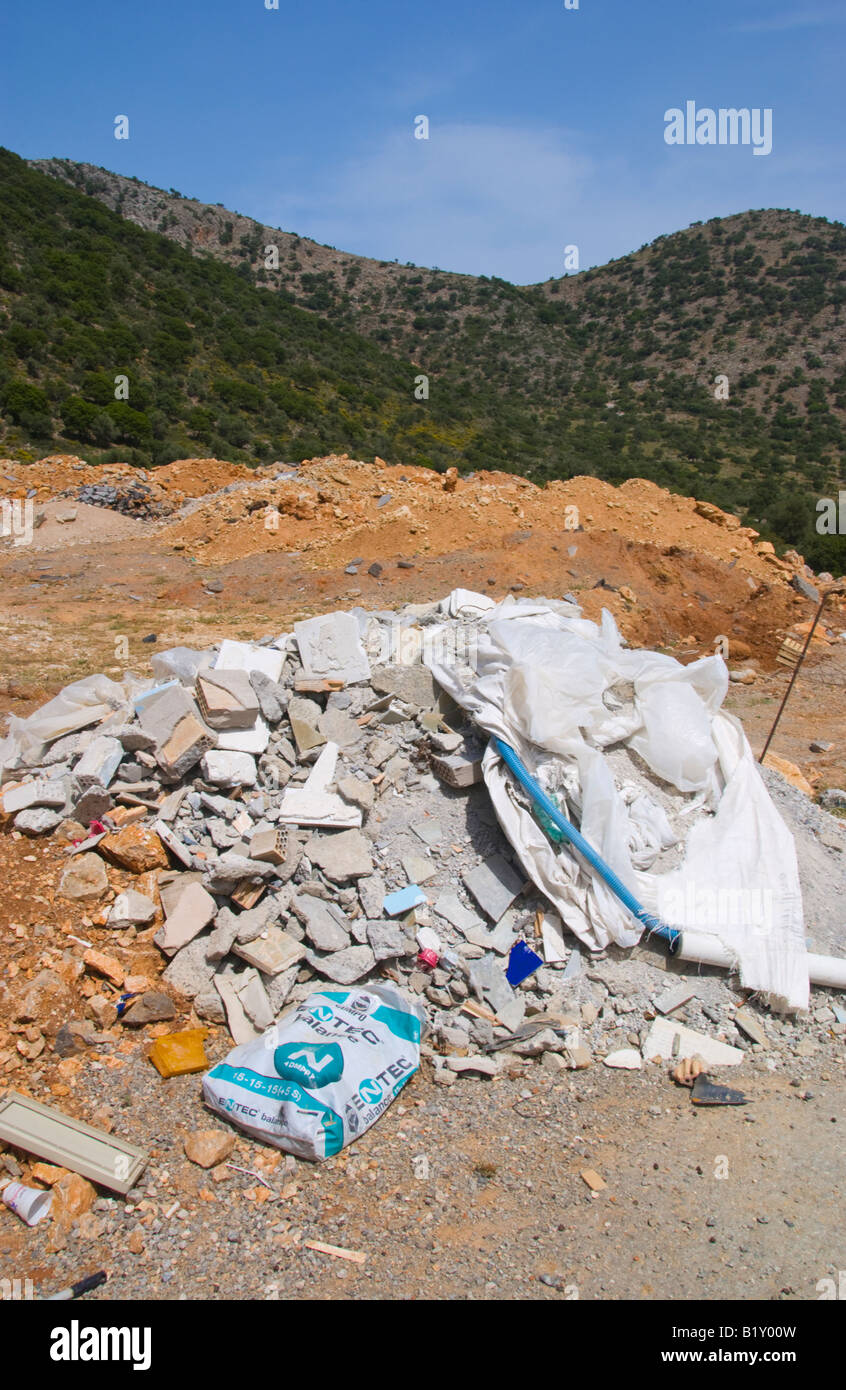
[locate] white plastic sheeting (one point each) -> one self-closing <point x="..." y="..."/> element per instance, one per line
<point x="84" y="702"/>
<point x="562" y="690"/>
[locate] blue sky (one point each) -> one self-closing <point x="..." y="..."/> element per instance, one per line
<point x="546" y="123"/>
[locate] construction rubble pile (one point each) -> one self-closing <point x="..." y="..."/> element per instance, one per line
<point x="136" y="499"/>
<point x="317" y="811"/>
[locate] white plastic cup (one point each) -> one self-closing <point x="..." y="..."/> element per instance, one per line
<point x="31" y="1204"/>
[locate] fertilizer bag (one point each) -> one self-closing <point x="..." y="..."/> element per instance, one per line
<point x="323" y="1073"/>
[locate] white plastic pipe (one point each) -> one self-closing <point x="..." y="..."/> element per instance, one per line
<point x="707" y="950"/>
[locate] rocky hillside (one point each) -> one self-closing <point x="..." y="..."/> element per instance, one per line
<point x="609" y="371"/>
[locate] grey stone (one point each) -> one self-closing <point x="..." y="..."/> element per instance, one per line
<point x="94" y="803"/>
<point x="209" y="1006"/>
<point x="222" y="938"/>
<point x="338" y="727"/>
<point x="37" y="821"/>
<point x="131" y="909"/>
<point x="151" y="1007"/>
<point x="341" y="856"/>
<point x="371" y="894"/>
<point x="801" y="585"/>
<point x="344" y="967"/>
<point x="224" y="875"/>
<point x="387" y="940"/>
<point x="413" y="684"/>
<point x="272" y="697"/>
<point x="85" y="877"/>
<point x="494" y="885"/>
<point x="326" y="926"/>
<point x="189" y="972"/>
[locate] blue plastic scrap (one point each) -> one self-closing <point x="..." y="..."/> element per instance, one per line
<point x="403" y="900"/>
<point x="522" y="962"/>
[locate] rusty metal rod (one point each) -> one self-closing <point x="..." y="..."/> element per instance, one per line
<point x="817" y="616"/>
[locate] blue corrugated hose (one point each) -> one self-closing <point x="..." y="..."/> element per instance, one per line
<point x="539" y="796"/>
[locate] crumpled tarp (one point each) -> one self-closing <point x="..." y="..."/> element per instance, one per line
<point x="561" y="690"/>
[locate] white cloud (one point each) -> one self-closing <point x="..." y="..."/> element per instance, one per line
<point x="791" y="19"/>
<point x="497" y="200"/>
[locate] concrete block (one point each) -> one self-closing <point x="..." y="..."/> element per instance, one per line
<point x="99" y="762"/>
<point x="227" y="699"/>
<point x="331" y="648"/>
<point x="40" y="792"/>
<point x="184" y="747"/>
<point x="228" y="769"/>
<point x="270" y="845"/>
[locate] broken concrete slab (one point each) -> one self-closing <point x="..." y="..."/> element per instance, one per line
<point x="240" y="1026"/>
<point x="189" y="972"/>
<point x="331" y="648"/>
<point x="748" y="1024"/>
<point x="494" y="885"/>
<point x="480" y="1065"/>
<point x="344" y="967"/>
<point x="194" y="911"/>
<point x="387" y="940"/>
<point x="414" y="684"/>
<point x="667" y="1039"/>
<point x="230" y="869"/>
<point x="225" y="768"/>
<point x="223" y="936"/>
<point x="450" y="907"/>
<point x="304" y="718"/>
<point x="99" y="762"/>
<point x="326" y="926"/>
<point x="358" y="791"/>
<point x="40" y="792"/>
<point x="243" y="656"/>
<point x="338" y="727"/>
<point x="272" y="952"/>
<point x="371" y="895"/>
<point x="227" y="699"/>
<point x="342" y="856"/>
<point x="418" y="869"/>
<point x="673" y="998"/>
<point x="429" y="831"/>
<point x="488" y="982"/>
<point x="131" y="909"/>
<point x="254" y="1000"/>
<point x="38" y="820"/>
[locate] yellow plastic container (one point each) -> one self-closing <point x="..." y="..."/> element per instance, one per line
<point x="177" y="1054"/>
